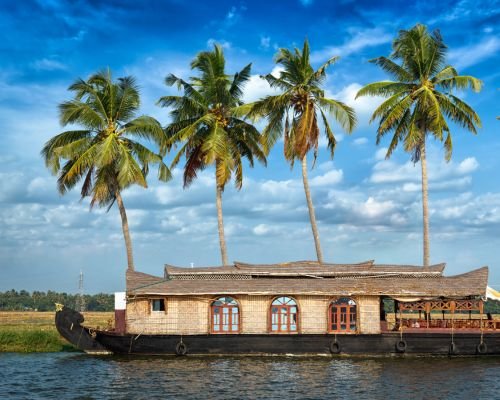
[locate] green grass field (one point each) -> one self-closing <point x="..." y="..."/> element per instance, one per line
<point x="29" y="332"/>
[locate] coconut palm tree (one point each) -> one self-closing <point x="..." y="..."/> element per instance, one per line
<point x="294" y="115"/>
<point x="103" y="153"/>
<point x="420" y="100"/>
<point x="205" y="122"/>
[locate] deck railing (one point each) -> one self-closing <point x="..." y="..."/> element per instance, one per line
<point x="487" y="325"/>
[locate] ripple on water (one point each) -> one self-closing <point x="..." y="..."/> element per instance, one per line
<point x="77" y="376"/>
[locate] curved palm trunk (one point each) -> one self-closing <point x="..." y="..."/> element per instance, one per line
<point x="126" y="232"/>
<point x="310" y="205"/>
<point x="220" y="221"/>
<point x="425" y="205"/>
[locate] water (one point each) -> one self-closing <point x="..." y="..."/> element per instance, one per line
<point x="79" y="376"/>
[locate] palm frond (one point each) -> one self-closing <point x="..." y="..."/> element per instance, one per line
<point x="459" y="112"/>
<point x="278" y="83"/>
<point x="384" y="89"/>
<point x="69" y="176"/>
<point x="194" y="163"/>
<point x="401" y="129"/>
<point x="48" y="152"/>
<point x="76" y="112"/>
<point x="145" y="127"/>
<point x="342" y="113"/>
<point x="320" y="73"/>
<point x="394" y="69"/>
<point x="129" y="171"/>
<point x="87" y="184"/>
<point x="240" y="78"/>
<point x="107" y="151"/>
<point x="446" y="73"/>
<point x="387" y="105"/>
<point x="189" y="90"/>
<point x="393" y="114"/>
<point x="332" y="142"/>
<point x="461" y="82"/>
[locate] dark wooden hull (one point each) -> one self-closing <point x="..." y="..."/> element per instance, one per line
<point x="68" y="323"/>
<point x="385" y="343"/>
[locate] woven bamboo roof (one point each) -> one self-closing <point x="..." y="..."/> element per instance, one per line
<point x="304" y="278"/>
<point x="299" y="268"/>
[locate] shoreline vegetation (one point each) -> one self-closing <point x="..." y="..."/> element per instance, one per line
<point x="35" y="331"/>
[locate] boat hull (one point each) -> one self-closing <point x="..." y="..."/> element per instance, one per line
<point x="377" y="344"/>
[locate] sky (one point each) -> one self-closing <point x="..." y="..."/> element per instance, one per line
<point x="367" y="207"/>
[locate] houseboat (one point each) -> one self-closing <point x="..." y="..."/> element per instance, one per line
<point x="297" y="308"/>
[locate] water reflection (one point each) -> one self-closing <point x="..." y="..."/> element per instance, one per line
<point x="62" y="376"/>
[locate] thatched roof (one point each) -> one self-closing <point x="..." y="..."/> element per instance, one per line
<point x="299" y="269"/>
<point x="310" y="278"/>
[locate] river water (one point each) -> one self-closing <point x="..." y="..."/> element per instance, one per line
<point x="79" y="376"/>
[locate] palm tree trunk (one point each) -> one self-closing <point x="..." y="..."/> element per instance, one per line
<point x="126" y="232"/>
<point x="425" y="201"/>
<point x="222" y="239"/>
<point x="312" y="216"/>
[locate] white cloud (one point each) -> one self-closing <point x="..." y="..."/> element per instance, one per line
<point x="372" y="208"/>
<point x="360" y="40"/>
<point x="232" y="14"/>
<point x="467" y="166"/>
<point x="265" y="42"/>
<point x="46" y="64"/>
<point x="479" y="211"/>
<point x="40" y="185"/>
<point x="330" y="178"/>
<point x="172" y="221"/>
<point x="277" y="187"/>
<point x="467" y="9"/>
<point x="449" y="184"/>
<point x="380" y="154"/>
<point x="363" y="105"/>
<point x="232" y="17"/>
<point x="467" y="56"/>
<point x="261" y="229"/>
<point x="388" y="171"/>
<point x="360" y="141"/>
<point x="257" y="87"/>
<point x="326" y="166"/>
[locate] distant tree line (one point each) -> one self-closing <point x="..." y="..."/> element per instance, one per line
<point x="12" y="300"/>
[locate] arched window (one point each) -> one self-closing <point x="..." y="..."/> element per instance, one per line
<point x="225" y="315"/>
<point x="284" y="314"/>
<point x="342" y="315"/>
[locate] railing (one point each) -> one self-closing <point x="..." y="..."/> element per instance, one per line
<point x="490" y="325"/>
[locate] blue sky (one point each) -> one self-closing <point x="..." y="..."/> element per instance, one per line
<point x="367" y="207"/>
